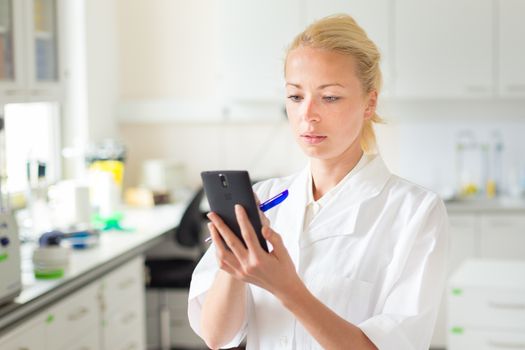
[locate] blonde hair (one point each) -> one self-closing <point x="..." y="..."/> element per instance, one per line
<point x="342" y="34"/>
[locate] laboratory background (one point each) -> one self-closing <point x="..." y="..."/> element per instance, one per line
<point x="110" y="109"/>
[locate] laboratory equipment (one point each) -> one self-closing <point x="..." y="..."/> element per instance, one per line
<point x="469" y="164"/>
<point x="10" y="271"/>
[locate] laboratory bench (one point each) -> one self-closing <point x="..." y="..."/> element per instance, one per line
<point x="99" y="302"/>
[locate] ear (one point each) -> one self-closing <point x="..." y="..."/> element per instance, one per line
<point x="371" y="104"/>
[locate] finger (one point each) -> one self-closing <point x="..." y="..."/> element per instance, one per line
<point x="247" y="230"/>
<point x="275" y="240"/>
<point x="232" y="241"/>
<point x="264" y="219"/>
<point x="224" y="256"/>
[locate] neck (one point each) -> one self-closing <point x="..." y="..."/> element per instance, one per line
<point x="327" y="173"/>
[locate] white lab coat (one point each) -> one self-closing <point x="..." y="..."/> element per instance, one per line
<point x="375" y="256"/>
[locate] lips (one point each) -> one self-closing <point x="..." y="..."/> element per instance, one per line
<point x="313" y="139"/>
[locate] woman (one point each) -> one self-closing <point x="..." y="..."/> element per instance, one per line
<point x="358" y="258"/>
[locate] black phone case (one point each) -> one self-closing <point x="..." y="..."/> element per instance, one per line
<point x="226" y="188"/>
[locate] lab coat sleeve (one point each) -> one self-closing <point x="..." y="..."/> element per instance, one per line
<point x="201" y="281"/>
<point x="407" y="318"/>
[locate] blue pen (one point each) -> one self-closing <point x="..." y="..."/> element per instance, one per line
<point x="272" y="202"/>
<point x="269" y="204"/>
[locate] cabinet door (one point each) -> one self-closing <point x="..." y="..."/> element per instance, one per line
<point x="511" y="48"/>
<point x="502" y="236"/>
<point x="29" y="336"/>
<point x="43" y="49"/>
<point x="252" y="45"/>
<point x="123" y="323"/>
<point x="443" y="48"/>
<point x="180" y="330"/>
<point x="91" y="341"/>
<point x="123" y="309"/>
<point x="124" y="284"/>
<point x="11" y="51"/>
<point x="462" y="246"/>
<point x="492" y="339"/>
<point x="71" y="317"/>
<point x="373" y="16"/>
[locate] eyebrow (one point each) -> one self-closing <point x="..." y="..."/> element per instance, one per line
<point x="320" y="87"/>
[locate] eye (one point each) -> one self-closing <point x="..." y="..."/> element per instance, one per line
<point x="331" y="98"/>
<point x="295" y="98"/>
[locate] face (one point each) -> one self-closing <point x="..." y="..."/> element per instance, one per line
<point x="326" y="103"/>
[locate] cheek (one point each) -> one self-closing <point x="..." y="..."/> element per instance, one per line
<point x="291" y="115"/>
<point x="349" y="123"/>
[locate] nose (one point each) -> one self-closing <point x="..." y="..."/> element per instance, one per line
<point x="310" y="110"/>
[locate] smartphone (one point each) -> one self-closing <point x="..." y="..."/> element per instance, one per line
<point x="226" y="188"/>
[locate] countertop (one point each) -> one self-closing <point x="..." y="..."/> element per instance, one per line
<point x="496" y="205"/>
<point x="150" y="227"/>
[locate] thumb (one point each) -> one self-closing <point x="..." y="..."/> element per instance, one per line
<point x="275" y="240"/>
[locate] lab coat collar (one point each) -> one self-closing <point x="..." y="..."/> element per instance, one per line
<point x="339" y="215"/>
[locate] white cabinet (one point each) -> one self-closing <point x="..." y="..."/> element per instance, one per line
<point x="479" y="235"/>
<point x="462" y="246"/>
<point x="253" y="40"/>
<point x="502" y="236"/>
<point x="107" y="314"/>
<point x="443" y="48"/>
<point x="180" y="330"/>
<point x="30" y="50"/>
<point x="123" y="308"/>
<point x="29" y="336"/>
<point x="88" y="341"/>
<point x="373" y="16"/>
<point x="511" y="75"/>
<point x="486" y="300"/>
<point x="70" y="318"/>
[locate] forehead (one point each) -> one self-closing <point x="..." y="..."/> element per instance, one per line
<point x="319" y="64"/>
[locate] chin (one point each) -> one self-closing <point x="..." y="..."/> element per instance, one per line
<point x="317" y="152"/>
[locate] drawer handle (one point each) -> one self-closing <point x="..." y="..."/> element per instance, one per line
<point x="499" y="305"/>
<point x="78" y="314"/>
<point x="506" y="344"/>
<point x="128" y="318"/>
<point x="126" y="283"/>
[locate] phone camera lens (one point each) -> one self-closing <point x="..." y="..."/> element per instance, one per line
<point x="224" y="181"/>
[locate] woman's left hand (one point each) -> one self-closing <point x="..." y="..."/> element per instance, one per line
<point x="272" y="271"/>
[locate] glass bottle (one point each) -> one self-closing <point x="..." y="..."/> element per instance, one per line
<point x="469" y="164"/>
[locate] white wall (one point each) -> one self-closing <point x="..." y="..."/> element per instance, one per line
<point x="167" y="51"/>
